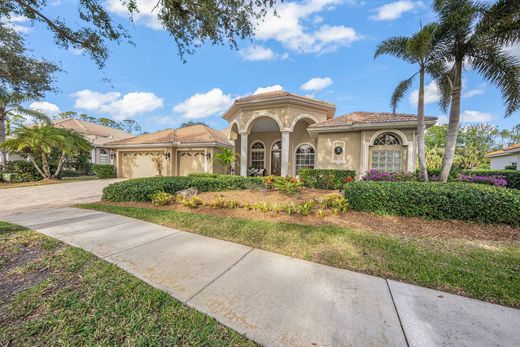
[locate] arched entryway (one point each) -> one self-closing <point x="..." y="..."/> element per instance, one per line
<point x="264" y="146"/>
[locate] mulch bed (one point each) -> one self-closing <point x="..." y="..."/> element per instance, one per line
<point x="450" y="229"/>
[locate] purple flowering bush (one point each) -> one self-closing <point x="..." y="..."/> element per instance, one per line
<point x="497" y="181"/>
<point x="382" y="176"/>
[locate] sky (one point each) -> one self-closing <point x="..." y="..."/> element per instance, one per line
<point x="319" y="48"/>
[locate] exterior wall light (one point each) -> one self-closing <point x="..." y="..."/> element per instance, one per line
<point x="167" y="155"/>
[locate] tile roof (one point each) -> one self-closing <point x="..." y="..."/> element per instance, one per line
<point x="368" y="118"/>
<point x="192" y="134"/>
<point x="505" y="151"/>
<point x="279" y="94"/>
<point x="104" y="134"/>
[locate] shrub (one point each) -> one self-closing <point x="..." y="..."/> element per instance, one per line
<point x="510" y="167"/>
<point x="335" y="202"/>
<point x="140" y="189"/>
<point x="24" y="170"/>
<point x="497" y="181"/>
<point x="288" y="185"/>
<point x="305" y="208"/>
<point x="223" y="203"/>
<point x="104" y="170"/>
<point x="162" y="198"/>
<point x="192" y="202"/>
<point x="452" y="200"/>
<point x="326" y="178"/>
<point x="511" y="176"/>
<point x="202" y="174"/>
<point x="375" y="175"/>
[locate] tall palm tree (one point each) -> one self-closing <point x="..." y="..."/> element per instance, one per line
<point x="419" y="49"/>
<point x="41" y="140"/>
<point x="473" y="35"/>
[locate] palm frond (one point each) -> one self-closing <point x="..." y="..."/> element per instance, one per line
<point x="400" y="90"/>
<point x="35" y="114"/>
<point x="501" y="22"/>
<point x="501" y="70"/>
<point x="396" y="46"/>
<point x="443" y="78"/>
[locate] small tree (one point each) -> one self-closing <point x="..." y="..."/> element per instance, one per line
<point x="40" y="141"/>
<point x="226" y="158"/>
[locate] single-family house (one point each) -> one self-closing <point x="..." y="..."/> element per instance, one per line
<point x="505" y="158"/>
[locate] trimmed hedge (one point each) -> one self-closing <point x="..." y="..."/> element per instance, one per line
<point x="435" y="200"/>
<point x="141" y="189"/>
<point x="104" y="170"/>
<point x="326" y="178"/>
<point x="207" y="175"/>
<point x="512" y="176"/>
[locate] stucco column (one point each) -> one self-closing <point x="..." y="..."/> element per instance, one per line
<point x="243" y="154"/>
<point x="285" y="153"/>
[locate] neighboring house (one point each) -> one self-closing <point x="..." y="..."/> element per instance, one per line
<point x="508" y="156"/>
<point x="97" y="135"/>
<point x="280" y="133"/>
<point x="170" y="152"/>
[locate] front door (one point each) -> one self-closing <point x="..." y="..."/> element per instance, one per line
<point x="276" y="159"/>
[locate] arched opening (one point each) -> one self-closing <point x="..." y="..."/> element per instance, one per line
<point x="234" y="136"/>
<point x="276" y="158"/>
<point x="386" y="153"/>
<point x="263" y="156"/>
<point x="304" y="157"/>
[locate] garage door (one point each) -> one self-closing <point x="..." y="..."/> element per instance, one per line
<point x="143" y="164"/>
<point x="191" y="162"/>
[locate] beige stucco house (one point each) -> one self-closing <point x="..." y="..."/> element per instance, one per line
<point x="279" y="133"/>
<point x="505" y="157"/>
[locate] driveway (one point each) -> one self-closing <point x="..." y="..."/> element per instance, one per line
<point x="26" y="199"/>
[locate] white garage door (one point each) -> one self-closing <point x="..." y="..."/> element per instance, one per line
<point x="143" y="164"/>
<point x="191" y="162"/>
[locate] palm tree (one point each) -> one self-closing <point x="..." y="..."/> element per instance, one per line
<point x="41" y="140"/>
<point x="13" y="113"/>
<point x="226" y="158"/>
<point x="473" y="35"/>
<point x="419" y="49"/>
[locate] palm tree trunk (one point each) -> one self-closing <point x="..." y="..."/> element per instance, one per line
<point x="31" y="159"/>
<point x="3" y="117"/>
<point x="60" y="166"/>
<point x="421" y="128"/>
<point x="45" y="164"/>
<point x="453" y="126"/>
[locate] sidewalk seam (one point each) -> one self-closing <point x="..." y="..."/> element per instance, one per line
<point x="222" y="274"/>
<point x="142" y="244"/>
<point x="397" y="312"/>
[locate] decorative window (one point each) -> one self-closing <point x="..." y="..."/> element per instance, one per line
<point x="387" y="139"/>
<point x="338" y="152"/>
<point x="103" y="156"/>
<point x="387" y="160"/>
<point x="258" y="155"/>
<point x="304" y="158"/>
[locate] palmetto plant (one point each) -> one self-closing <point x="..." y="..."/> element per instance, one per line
<point x="226" y="157"/>
<point x="40" y="141"/>
<point x="473" y="35"/>
<point x="419" y="49"/>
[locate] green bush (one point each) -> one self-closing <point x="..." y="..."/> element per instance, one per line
<point x="512" y="176"/>
<point x="326" y="178"/>
<point x="207" y="175"/>
<point x="435" y="200"/>
<point x="26" y="172"/>
<point x="140" y="189"/>
<point x="104" y="170"/>
<point x="162" y="199"/>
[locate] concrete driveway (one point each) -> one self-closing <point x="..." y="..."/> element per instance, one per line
<point x="26" y="199"/>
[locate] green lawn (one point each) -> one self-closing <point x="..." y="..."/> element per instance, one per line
<point x="487" y="271"/>
<point x="53" y="294"/>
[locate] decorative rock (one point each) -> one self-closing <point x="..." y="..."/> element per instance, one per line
<point x="188" y="193"/>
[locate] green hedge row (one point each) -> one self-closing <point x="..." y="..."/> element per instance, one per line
<point x="140" y="189"/>
<point x="207" y="175"/>
<point x="512" y="176"/>
<point x="104" y="170"/>
<point x="326" y="178"/>
<point x="452" y="200"/>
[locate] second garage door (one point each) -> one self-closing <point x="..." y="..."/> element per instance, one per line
<point x="191" y="162"/>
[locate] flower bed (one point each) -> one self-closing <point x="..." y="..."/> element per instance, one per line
<point x="453" y="200"/>
<point x="512" y="177"/>
<point x="326" y="178"/>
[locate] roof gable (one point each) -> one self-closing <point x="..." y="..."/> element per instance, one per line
<point x="367" y="118"/>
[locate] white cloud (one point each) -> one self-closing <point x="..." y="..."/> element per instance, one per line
<point x="258" y="53"/>
<point x="202" y="105"/>
<point x="17" y="23"/>
<point x="119" y="107"/>
<point x="396" y="9"/>
<point x="475" y="91"/>
<point x="274" y="88"/>
<point x="48" y="108"/>
<point x="297" y="28"/>
<point x="316" y="83"/>
<point x="147" y="15"/>
<point x="514" y="50"/>
<point x="431" y="94"/>
<point x="442" y="120"/>
<point x="469" y="116"/>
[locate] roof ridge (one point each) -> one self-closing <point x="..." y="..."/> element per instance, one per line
<point x="81" y="125"/>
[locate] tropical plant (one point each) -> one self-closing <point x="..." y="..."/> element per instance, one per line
<point x="419" y="49"/>
<point x="226" y="158"/>
<point x="474" y="35"/>
<point x="41" y="140"/>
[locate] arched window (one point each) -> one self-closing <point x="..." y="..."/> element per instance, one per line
<point x="304" y="157"/>
<point x="387" y="153"/>
<point x="276" y="158"/>
<point x="257" y="155"/>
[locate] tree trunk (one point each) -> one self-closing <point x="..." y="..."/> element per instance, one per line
<point x="3" y="117"/>
<point x="45" y="164"/>
<point x="60" y="166"/>
<point x="421" y="128"/>
<point x="453" y="126"/>
<point x="31" y="159"/>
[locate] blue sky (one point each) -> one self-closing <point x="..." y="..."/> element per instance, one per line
<point x="322" y="48"/>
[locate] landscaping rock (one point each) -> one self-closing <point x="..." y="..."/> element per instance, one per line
<point x="188" y="193"/>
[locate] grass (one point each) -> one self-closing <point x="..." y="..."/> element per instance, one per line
<point x="5" y="185"/>
<point x="62" y="295"/>
<point x="488" y="271"/>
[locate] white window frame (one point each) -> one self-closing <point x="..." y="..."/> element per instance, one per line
<point x="295" y="170"/>
<point x="251" y="151"/>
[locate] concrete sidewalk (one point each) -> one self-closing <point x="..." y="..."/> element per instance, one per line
<point x="277" y="300"/>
